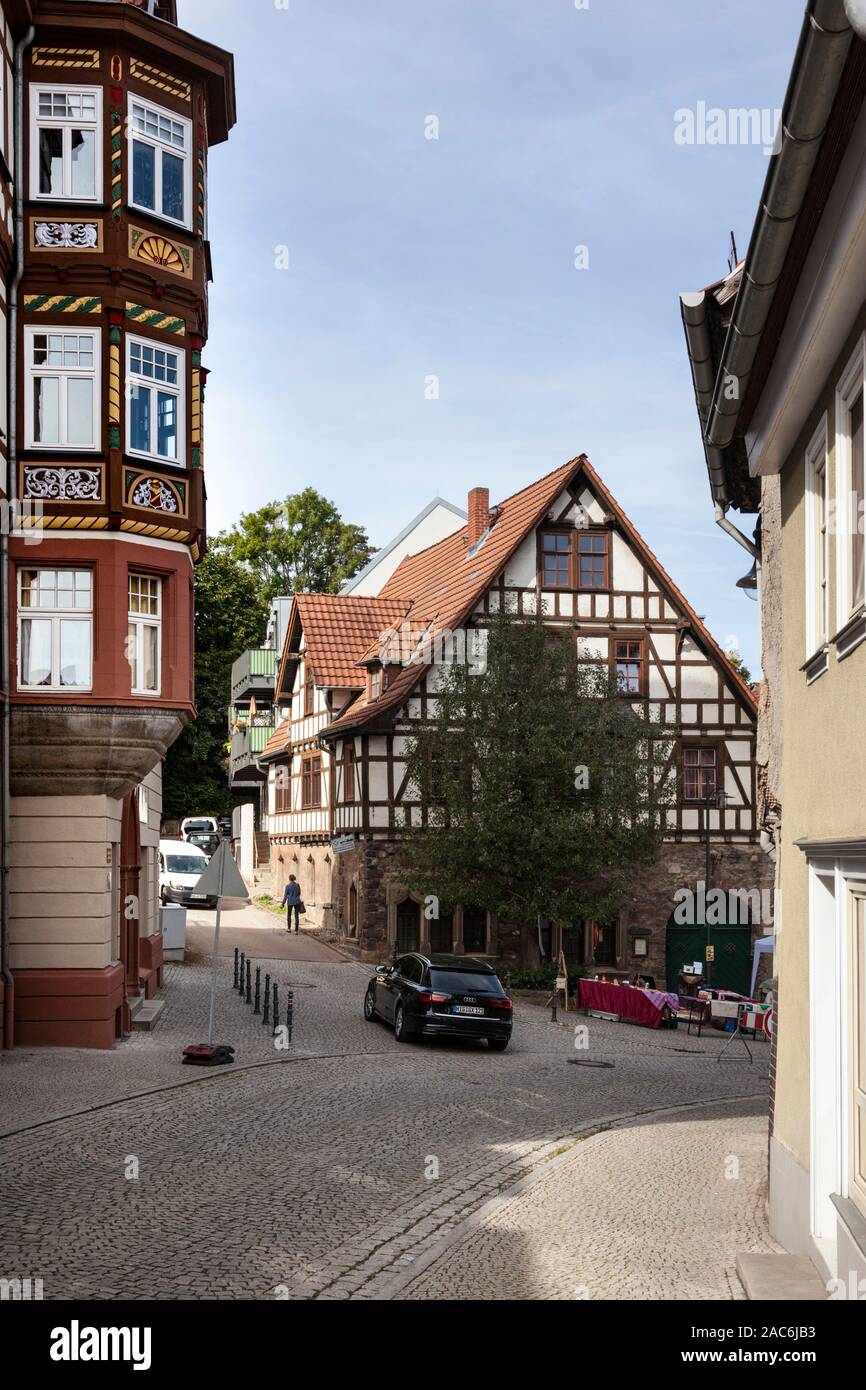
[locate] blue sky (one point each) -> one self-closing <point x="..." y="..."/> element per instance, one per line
<point x="411" y="258"/>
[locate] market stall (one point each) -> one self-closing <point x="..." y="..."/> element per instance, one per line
<point x="647" y="1006"/>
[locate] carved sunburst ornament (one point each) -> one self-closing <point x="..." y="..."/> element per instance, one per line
<point x="161" y="252"/>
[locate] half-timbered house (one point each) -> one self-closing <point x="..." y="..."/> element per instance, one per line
<point x="339" y="792"/>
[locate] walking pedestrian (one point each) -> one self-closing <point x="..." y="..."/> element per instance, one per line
<point x="292" y="900"/>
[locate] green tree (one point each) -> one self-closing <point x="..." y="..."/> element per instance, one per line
<point x="542" y="789"/>
<point x="301" y="544"/>
<point x="231" y="614"/>
<point x="739" y="665"/>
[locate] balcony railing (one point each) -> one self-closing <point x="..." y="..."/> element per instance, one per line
<point x="254" y="674"/>
<point x="247" y="744"/>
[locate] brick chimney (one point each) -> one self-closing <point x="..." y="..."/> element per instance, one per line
<point x="479" y="513"/>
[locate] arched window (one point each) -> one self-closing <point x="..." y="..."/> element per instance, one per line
<point x="353" y="910"/>
<point x="442" y="932"/>
<point x="474" y="931"/>
<point x="408" y="926"/>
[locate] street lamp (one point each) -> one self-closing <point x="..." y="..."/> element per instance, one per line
<point x="714" y="800"/>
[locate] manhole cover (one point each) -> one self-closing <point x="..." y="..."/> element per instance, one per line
<point x="578" y="1062"/>
<point x="288" y="984"/>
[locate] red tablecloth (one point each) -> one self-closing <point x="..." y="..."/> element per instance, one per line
<point x="619" y="999"/>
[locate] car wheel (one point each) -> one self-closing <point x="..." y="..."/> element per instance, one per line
<point x="401" y="1032"/>
<point x="369" y="1007"/>
<point x="498" y="1044"/>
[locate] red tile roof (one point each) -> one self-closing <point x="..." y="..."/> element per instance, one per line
<point x="338" y="629"/>
<point x="278" y="741"/>
<point x="445" y="583"/>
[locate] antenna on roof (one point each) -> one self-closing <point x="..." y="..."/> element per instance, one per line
<point x="733" y="258"/>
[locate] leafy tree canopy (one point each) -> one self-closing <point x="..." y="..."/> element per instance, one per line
<point x="739" y="665"/>
<point x="301" y="544"/>
<point x="230" y="615"/>
<point x="541" y="787"/>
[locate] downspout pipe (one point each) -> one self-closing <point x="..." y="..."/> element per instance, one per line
<point x="825" y="41"/>
<point x="5" y="653"/>
<point x="731" y="530"/>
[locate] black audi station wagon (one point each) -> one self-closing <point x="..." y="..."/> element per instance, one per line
<point x="433" y="996"/>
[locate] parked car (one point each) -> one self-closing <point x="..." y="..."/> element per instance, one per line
<point x="439" y="995"/>
<point x="198" y="825"/>
<point x="208" y="842"/>
<point x="181" y="865"/>
<point x="225" y="826"/>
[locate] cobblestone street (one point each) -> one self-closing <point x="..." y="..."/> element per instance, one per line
<point x="340" y="1168"/>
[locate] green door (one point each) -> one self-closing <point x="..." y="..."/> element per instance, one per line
<point x="731" y="968"/>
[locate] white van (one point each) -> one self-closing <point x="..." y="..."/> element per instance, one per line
<point x="181" y="865"/>
<point x="198" y="825"/>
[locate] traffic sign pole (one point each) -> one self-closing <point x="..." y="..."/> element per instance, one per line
<point x="216" y="942"/>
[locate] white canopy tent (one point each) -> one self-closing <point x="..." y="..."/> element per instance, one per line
<point x="763" y="946"/>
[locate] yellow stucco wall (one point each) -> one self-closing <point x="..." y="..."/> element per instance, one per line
<point x="823" y="768"/>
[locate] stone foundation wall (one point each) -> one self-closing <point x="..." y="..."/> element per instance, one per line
<point x="312" y="865"/>
<point x="374" y="869"/>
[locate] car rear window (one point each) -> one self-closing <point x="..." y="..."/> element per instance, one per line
<point x="464" y="982"/>
<point x="202" y="827"/>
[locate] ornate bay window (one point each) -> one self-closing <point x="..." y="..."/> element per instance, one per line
<point x="65" y="143"/>
<point x="62" y="393"/>
<point x="143" y="639"/>
<point x="161" y="161"/>
<point x="155" y="400"/>
<point x="55" y="629"/>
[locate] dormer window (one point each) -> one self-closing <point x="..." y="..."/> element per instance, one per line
<point x="375" y="682"/>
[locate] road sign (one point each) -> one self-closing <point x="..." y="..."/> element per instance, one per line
<point x="711" y="954"/>
<point x="221" y="878"/>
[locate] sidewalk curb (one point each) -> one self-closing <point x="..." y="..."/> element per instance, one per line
<point x="543" y="1166"/>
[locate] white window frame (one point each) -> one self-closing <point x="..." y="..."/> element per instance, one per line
<point x="139" y="621"/>
<point x="851" y="383"/>
<point x="66" y="124"/>
<point x="55" y="616"/>
<point x="31" y="372"/>
<point x="817" y="541"/>
<point x="857" y="1036"/>
<point x="150" y="383"/>
<point x="187" y="156"/>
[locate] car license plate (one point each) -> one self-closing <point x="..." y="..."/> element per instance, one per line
<point x="198" y="897"/>
<point x="467" y="1009"/>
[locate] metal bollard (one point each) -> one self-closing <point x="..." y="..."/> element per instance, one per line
<point x="267" y="1010"/>
<point x="276" y="1007"/>
<point x="290" y="1011"/>
<point x="249" y="998"/>
<point x="241" y="983"/>
<point x="235" y="985"/>
<point x="257" y="1006"/>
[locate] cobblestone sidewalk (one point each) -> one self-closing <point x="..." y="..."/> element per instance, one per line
<point x="654" y="1210"/>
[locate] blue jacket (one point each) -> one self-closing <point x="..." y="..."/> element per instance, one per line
<point x="292" y="895"/>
